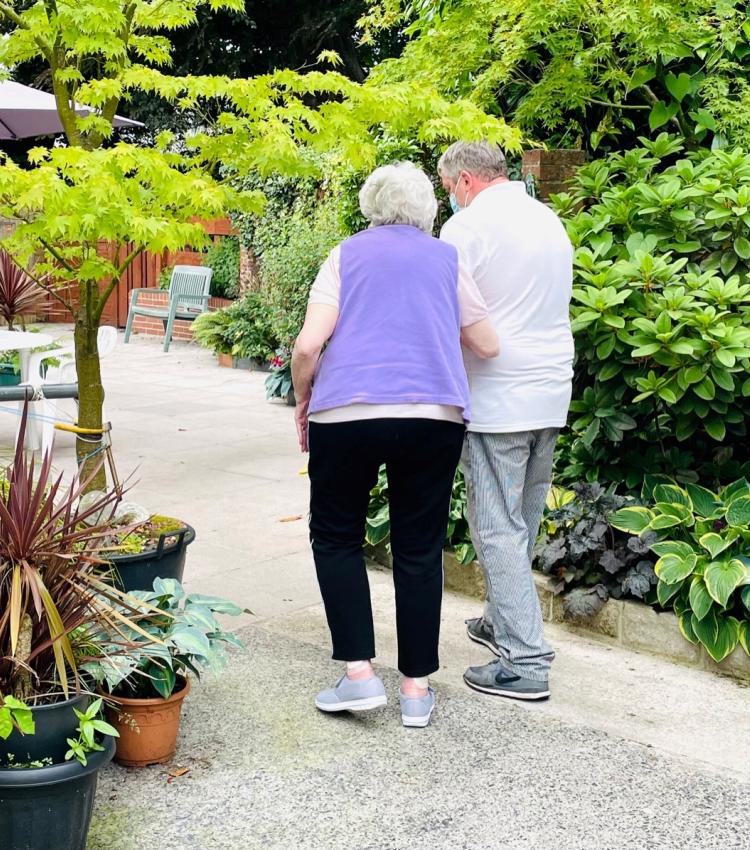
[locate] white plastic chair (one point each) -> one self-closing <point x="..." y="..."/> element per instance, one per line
<point x="62" y="373"/>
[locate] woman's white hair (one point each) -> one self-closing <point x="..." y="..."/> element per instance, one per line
<point x="399" y="194"/>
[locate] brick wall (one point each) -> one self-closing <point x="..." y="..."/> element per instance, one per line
<point x="551" y="169"/>
<point x="183" y="329"/>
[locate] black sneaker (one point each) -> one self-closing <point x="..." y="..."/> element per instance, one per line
<point x="481" y="632"/>
<point x="494" y="678"/>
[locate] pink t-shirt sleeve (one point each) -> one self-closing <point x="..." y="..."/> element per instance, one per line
<point x="471" y="304"/>
<point x="327" y="286"/>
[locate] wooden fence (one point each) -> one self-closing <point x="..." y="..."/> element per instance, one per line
<point x="143" y="272"/>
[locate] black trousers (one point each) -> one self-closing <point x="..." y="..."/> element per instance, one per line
<point x="421" y="456"/>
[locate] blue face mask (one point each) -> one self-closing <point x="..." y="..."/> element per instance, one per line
<point x="455" y="206"/>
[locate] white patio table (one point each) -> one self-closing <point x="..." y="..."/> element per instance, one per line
<point x="23" y="342"/>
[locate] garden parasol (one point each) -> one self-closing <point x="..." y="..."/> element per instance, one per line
<point x="26" y="112"/>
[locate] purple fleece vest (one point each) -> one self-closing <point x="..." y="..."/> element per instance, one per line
<point x="397" y="340"/>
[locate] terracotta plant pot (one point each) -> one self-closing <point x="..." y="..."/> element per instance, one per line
<point x="148" y="727"/>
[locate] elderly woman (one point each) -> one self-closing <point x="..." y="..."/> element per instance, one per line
<point x="394" y="304"/>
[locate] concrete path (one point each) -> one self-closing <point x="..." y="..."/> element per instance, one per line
<point x="631" y="751"/>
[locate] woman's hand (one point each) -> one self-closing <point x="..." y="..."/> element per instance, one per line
<point x="300" y="419"/>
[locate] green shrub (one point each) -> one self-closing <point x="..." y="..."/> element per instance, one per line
<point x="660" y="314"/>
<point x="243" y="329"/>
<point x="250" y="330"/>
<point x="223" y="257"/>
<point x="457" y="536"/>
<point x="165" y="277"/>
<point x="211" y="330"/>
<point x="704" y="565"/>
<point x="290" y="251"/>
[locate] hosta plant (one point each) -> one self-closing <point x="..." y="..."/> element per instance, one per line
<point x="181" y="635"/>
<point x="586" y="558"/>
<point x="703" y="548"/>
<point x="457" y="537"/>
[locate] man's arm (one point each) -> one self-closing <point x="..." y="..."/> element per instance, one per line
<point x="320" y="322"/>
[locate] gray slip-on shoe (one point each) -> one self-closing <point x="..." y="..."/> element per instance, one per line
<point x="494" y="678"/>
<point x="417" y="711"/>
<point x="480" y="631"/>
<point x="353" y="695"/>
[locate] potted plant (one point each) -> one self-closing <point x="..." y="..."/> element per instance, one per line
<point x="144" y="695"/>
<point x="279" y="381"/>
<point x="141" y="546"/>
<point x="52" y="599"/>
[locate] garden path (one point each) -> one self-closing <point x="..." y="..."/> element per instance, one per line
<point x="631" y="752"/>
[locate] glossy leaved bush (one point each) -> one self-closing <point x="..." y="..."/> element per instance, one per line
<point x="702" y="541"/>
<point x="661" y="315"/>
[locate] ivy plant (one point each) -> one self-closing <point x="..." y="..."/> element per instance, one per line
<point x="703" y="567"/>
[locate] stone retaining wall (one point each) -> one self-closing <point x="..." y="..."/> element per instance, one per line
<point x="627" y="623"/>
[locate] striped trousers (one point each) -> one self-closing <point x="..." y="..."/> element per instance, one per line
<point x="507" y="480"/>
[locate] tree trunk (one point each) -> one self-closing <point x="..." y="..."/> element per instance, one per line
<point x="90" y="389"/>
<point x="21" y="676"/>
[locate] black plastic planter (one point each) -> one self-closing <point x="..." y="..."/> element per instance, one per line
<point x="49" y="808"/>
<point x="137" y="572"/>
<point x="54" y="724"/>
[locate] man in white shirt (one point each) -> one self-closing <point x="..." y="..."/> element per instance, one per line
<point x="517" y="251"/>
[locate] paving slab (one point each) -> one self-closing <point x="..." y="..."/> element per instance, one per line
<point x="266" y="770"/>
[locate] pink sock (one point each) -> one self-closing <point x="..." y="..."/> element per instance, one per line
<point x="414" y="687"/>
<point x="359" y="670"/>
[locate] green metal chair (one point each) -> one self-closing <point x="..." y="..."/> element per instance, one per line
<point x="188" y="298"/>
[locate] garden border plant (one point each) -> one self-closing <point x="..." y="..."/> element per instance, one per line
<point x="703" y="565"/>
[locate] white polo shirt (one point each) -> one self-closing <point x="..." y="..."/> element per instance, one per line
<point x="519" y="254"/>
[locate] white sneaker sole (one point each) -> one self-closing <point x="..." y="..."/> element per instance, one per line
<point x="366" y="704"/>
<point x="417" y="722"/>
<point x="512" y="694"/>
<point x="491" y="646"/>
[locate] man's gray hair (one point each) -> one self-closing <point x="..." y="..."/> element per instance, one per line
<point x="482" y="159"/>
<point x="399" y="194"/>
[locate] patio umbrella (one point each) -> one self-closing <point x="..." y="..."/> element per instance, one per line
<point x="26" y="112"/>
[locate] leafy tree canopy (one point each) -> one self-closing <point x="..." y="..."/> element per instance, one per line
<point x="100" y="53"/>
<point x="590" y="72"/>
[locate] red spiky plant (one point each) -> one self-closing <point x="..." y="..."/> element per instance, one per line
<point x="52" y="592"/>
<point x="20" y="294"/>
